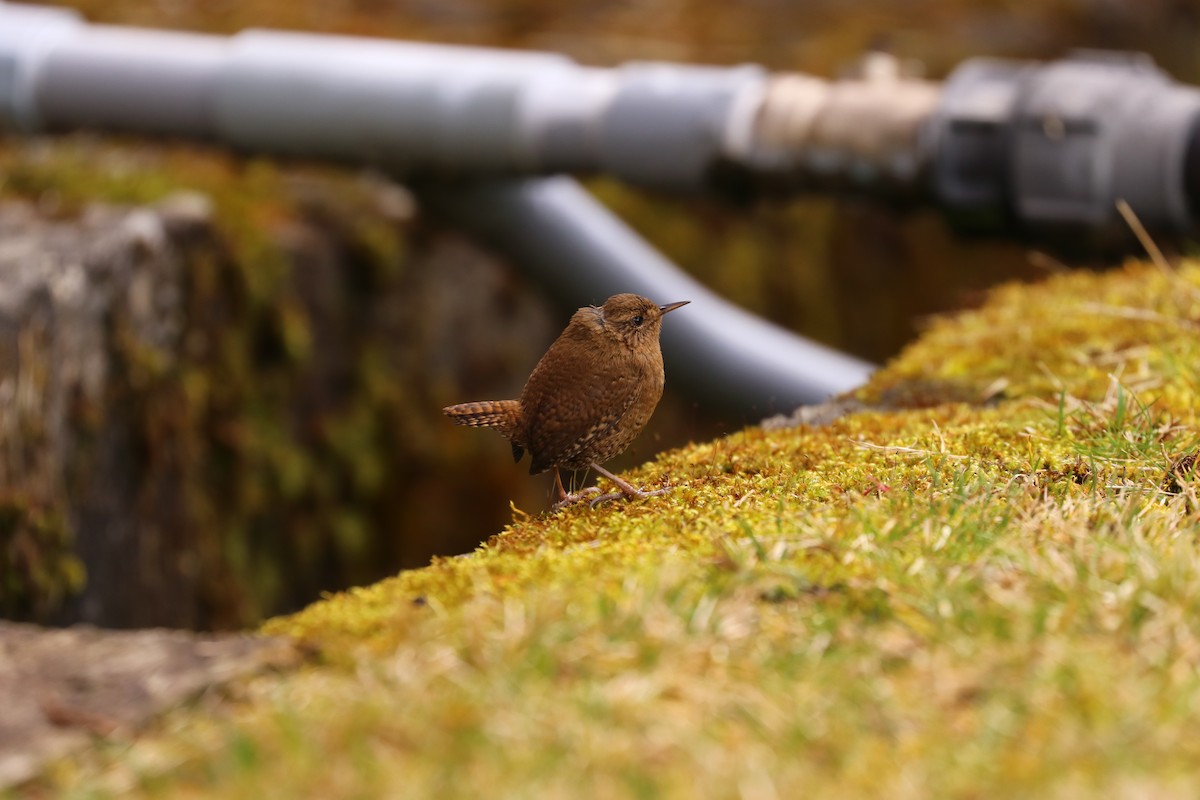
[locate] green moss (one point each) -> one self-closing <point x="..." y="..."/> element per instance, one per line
<point x="1080" y="336"/>
<point x="750" y="481"/>
<point x="961" y="597"/>
<point x="1086" y="383"/>
<point x="38" y="566"/>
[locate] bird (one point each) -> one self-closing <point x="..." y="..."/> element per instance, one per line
<point x="588" y="397"/>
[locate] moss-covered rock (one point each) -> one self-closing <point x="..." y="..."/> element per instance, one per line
<point x="226" y="401"/>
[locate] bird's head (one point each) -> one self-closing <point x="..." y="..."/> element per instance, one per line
<point x="633" y="319"/>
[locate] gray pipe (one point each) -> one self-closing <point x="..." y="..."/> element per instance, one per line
<point x="436" y="109"/>
<point x="406" y="107"/>
<point x="418" y="109"/>
<point x="581" y="253"/>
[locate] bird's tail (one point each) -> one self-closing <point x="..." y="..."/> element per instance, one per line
<point x="500" y="414"/>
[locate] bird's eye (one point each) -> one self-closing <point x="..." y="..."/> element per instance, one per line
<point x="637" y="320"/>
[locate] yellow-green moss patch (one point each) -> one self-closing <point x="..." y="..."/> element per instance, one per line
<point x="955" y="599"/>
<point x="1140" y="325"/>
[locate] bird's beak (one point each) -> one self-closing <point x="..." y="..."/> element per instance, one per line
<point x="673" y="306"/>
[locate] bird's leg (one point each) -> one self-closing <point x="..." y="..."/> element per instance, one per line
<point x="627" y="488"/>
<point x="562" y="493"/>
<point x="565" y="498"/>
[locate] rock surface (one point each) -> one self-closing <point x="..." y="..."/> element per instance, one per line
<point x="206" y="419"/>
<point x="61" y="688"/>
<point x="69" y="289"/>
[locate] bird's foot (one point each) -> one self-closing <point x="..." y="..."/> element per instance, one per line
<point x="604" y="498"/>
<point x="627" y="489"/>
<point x="574" y="497"/>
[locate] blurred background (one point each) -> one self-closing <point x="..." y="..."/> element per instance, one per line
<point x="287" y="438"/>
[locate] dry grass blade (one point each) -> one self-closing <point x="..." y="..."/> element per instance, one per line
<point x="1143" y="236"/>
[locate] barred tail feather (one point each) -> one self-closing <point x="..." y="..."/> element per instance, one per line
<point x="500" y="414"/>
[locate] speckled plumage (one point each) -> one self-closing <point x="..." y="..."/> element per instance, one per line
<point x="591" y="393"/>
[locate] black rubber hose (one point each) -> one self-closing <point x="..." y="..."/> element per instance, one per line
<point x="1191" y="171"/>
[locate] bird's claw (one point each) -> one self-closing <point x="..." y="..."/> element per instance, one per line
<point x="574" y="497"/>
<point x="604" y="498"/>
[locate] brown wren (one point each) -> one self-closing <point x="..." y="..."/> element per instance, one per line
<point x="589" y="396"/>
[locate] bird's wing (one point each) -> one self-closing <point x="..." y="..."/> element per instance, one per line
<point x="569" y="402"/>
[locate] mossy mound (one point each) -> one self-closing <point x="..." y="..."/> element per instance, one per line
<point x="1078" y="386"/>
<point x="949" y="599"/>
